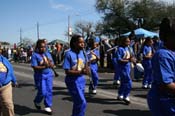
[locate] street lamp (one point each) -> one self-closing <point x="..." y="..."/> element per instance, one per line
<point x="69" y="33"/>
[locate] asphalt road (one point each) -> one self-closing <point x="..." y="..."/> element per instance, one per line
<point x="102" y="104"/>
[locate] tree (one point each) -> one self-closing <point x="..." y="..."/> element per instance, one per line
<point x="120" y="16"/>
<point x="149" y="11"/>
<point x="115" y="20"/>
<point x="26" y="42"/>
<point x="4" y="43"/>
<point x="83" y="28"/>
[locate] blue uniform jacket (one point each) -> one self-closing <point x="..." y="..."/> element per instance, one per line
<point x="36" y="58"/>
<point x="10" y="72"/>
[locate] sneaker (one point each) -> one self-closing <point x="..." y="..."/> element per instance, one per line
<point x="149" y="86"/>
<point x="120" y="97"/>
<point x="48" y="110"/>
<point x="145" y="86"/>
<point x="118" y="82"/>
<point x="94" y="91"/>
<point x="37" y="106"/>
<point x="127" y="100"/>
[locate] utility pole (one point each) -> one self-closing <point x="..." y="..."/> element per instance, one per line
<point x="69" y="33"/>
<point x="37" y="30"/>
<point x="20" y="36"/>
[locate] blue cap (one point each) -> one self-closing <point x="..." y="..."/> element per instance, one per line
<point x="96" y="39"/>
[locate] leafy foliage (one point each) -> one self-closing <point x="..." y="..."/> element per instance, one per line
<point x="120" y="16"/>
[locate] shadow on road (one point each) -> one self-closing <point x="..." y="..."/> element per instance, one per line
<point x="59" y="88"/>
<point x="91" y="99"/>
<point x="107" y="86"/>
<point x="142" y="96"/>
<point x="105" y="70"/>
<point x="60" y="91"/>
<point x="23" y="110"/>
<point x="105" y="80"/>
<point x="127" y="112"/>
<point x="139" y="89"/>
<point x="25" y="85"/>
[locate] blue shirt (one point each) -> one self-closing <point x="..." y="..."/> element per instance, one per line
<point x="74" y="61"/>
<point x="163" y="63"/>
<point x="158" y="45"/>
<point x="123" y="53"/>
<point x="38" y="60"/>
<point x="92" y="56"/>
<point x="147" y="50"/>
<point x="9" y="75"/>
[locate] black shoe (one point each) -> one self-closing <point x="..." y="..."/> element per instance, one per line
<point x="37" y="106"/>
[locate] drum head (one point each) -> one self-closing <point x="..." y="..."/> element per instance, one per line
<point x="139" y="67"/>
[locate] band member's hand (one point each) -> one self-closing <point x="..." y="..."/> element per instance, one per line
<point x="15" y="84"/>
<point x="85" y="71"/>
<point x="132" y="59"/>
<point x="47" y="65"/>
<point x="51" y="65"/>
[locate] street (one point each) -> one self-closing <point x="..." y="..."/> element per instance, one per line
<point x="102" y="104"/>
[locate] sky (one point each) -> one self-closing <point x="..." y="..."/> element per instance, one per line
<point x="51" y="15"/>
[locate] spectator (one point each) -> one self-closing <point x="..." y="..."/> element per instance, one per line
<point x="6" y="77"/>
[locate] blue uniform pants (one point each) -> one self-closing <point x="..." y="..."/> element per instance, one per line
<point x="126" y="82"/>
<point x="45" y="90"/>
<point x="95" y="77"/>
<point x="160" y="105"/>
<point x="36" y="80"/>
<point x="147" y="80"/>
<point x="76" y="88"/>
<point x="116" y="69"/>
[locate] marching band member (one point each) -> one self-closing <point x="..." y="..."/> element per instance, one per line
<point x="115" y="64"/>
<point x="74" y="66"/>
<point x="161" y="97"/>
<point x="147" y="51"/>
<point x="42" y="63"/>
<point x="124" y="58"/>
<point x="94" y="57"/>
